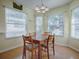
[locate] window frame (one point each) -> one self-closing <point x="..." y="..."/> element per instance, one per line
<point x="72" y="10"/>
<point x="25" y="27"/>
<point x="41" y="24"/>
<point x="56" y="14"/>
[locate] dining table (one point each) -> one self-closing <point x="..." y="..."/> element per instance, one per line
<point x="39" y="39"/>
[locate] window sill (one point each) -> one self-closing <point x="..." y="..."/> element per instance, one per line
<point x="12" y="37"/>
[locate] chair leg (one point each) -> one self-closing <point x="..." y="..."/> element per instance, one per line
<point x="53" y="49"/>
<point x="32" y="56"/>
<point x="24" y="54"/>
<point x="35" y="54"/>
<point x="48" y="52"/>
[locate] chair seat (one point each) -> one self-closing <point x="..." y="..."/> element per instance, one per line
<point x="29" y="46"/>
<point x="44" y="45"/>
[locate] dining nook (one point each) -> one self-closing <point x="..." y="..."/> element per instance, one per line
<point x="39" y="29"/>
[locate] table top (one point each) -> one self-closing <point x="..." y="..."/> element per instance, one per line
<point x="40" y="37"/>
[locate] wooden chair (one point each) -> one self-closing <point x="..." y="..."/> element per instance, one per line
<point x="29" y="45"/>
<point x="50" y="39"/>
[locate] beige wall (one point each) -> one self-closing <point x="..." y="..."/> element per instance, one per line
<point x="72" y="42"/>
<point x="62" y="40"/>
<point x="65" y="40"/>
<point x="9" y="43"/>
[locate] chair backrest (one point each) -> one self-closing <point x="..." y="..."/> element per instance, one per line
<point x="51" y="38"/>
<point x="27" y="40"/>
<point x="45" y="34"/>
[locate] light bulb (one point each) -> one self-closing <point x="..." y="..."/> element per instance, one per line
<point x="46" y="9"/>
<point x="43" y="11"/>
<point x="38" y="11"/>
<point x="37" y="8"/>
<point x="43" y="7"/>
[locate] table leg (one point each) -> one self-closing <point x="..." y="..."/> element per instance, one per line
<point x="39" y="52"/>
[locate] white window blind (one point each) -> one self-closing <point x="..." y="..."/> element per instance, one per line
<point x="56" y="24"/>
<point x="15" y="23"/>
<point x="75" y="23"/>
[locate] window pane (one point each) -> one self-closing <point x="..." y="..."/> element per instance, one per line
<point x="15" y="23"/>
<point x="56" y="24"/>
<point x="39" y="24"/>
<point x="75" y="23"/>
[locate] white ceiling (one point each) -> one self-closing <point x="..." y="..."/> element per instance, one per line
<point x="49" y="3"/>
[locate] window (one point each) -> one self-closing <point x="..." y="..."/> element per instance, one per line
<point x="75" y="23"/>
<point x="56" y="24"/>
<point x="15" y="23"/>
<point x="39" y="24"/>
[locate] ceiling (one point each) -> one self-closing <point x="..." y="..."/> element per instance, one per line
<point x="49" y="3"/>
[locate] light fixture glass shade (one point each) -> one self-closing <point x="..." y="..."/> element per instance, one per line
<point x="41" y="10"/>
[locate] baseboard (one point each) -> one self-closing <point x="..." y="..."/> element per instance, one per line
<point x="67" y="46"/>
<point x="55" y="44"/>
<point x="74" y="48"/>
<point x="4" y="50"/>
<point x="61" y="44"/>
